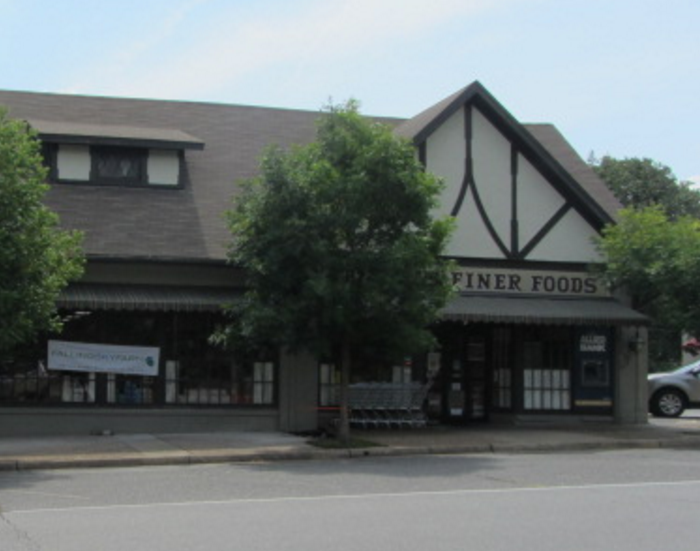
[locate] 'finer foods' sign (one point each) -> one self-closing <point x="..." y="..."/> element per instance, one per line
<point x="103" y="358"/>
<point x="470" y="280"/>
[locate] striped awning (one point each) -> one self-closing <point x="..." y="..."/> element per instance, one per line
<point x="539" y="310"/>
<point x="89" y="296"/>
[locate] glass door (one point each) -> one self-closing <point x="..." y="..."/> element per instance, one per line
<point x="465" y="373"/>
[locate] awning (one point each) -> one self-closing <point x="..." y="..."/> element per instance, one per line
<point x="538" y="310"/>
<point x="88" y="296"/>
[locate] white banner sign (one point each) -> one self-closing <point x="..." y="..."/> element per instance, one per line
<point x="103" y="358"/>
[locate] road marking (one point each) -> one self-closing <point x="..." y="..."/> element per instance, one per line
<point x="290" y="499"/>
<point x="45" y="494"/>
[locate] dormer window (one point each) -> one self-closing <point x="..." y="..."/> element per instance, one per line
<point x="115" y="155"/>
<point x="118" y="165"/>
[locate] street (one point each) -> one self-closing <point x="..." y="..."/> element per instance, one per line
<point x="635" y="499"/>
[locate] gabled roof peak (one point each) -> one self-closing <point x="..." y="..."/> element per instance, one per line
<point x="422" y="125"/>
<point x="545" y="150"/>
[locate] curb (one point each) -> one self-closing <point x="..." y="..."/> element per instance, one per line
<point x="28" y="463"/>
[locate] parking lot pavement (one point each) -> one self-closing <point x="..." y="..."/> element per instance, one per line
<point x="689" y="421"/>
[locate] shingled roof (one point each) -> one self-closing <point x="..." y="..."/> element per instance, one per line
<point x="551" y="140"/>
<point x="224" y="144"/>
<point x="164" y="224"/>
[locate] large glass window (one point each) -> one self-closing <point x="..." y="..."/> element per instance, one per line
<point x="118" y="165"/>
<point x="27" y="381"/>
<point x="191" y="370"/>
<point x="502" y="369"/>
<point x="130" y="389"/>
<point x="329" y="385"/>
<point x="235" y="383"/>
<point x="547" y="356"/>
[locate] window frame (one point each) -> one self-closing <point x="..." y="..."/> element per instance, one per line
<point x="328" y="385"/>
<point x="139" y="155"/>
<point x="51" y="152"/>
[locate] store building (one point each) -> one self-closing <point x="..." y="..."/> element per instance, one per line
<point x="531" y="334"/>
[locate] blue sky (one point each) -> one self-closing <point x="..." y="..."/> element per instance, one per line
<point x="618" y="77"/>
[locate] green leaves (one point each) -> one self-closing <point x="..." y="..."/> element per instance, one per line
<point x="641" y="183"/>
<point x="339" y="244"/>
<point x="658" y="260"/>
<point x="37" y="259"/>
<point x="651" y="254"/>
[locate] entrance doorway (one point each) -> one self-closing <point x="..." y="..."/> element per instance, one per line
<point x="466" y="377"/>
<point x="510" y="369"/>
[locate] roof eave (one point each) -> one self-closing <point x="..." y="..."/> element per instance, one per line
<point x="119" y="142"/>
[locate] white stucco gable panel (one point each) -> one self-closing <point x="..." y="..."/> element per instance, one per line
<point x="538" y="201"/>
<point x="445" y="158"/>
<point x="491" y="153"/>
<point x="471" y="238"/>
<point x="571" y="240"/>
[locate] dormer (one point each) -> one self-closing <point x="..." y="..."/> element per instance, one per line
<point x="114" y="155"/>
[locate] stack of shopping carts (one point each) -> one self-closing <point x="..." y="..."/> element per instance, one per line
<point x="388" y="405"/>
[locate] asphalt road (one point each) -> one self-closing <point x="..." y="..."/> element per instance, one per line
<point x="641" y="500"/>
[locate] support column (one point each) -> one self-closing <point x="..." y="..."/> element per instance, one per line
<point x="631" y="366"/>
<point x="298" y="392"/>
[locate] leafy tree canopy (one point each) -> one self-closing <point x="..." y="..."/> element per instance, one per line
<point x="37" y="259"/>
<point x="657" y="260"/>
<point x="340" y="247"/>
<point x="640" y="183"/>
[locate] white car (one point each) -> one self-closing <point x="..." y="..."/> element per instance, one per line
<point x="672" y="392"/>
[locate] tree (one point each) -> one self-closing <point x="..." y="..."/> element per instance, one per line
<point x="340" y="247"/>
<point x="642" y="182"/>
<point x="657" y="260"/>
<point x="37" y="259"/>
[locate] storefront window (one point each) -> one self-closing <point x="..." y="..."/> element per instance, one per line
<point x="263" y="382"/>
<point x="130" y="390"/>
<point x="28" y="381"/>
<point x="502" y="369"/>
<point x="329" y="385"/>
<point x="219" y="384"/>
<point x="25" y="384"/>
<point x="78" y="388"/>
<point x="547" y="358"/>
<point x="190" y="371"/>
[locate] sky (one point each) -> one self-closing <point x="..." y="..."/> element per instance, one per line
<point x="617" y="77"/>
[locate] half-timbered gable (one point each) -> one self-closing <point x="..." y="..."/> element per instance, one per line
<point x="511" y="198"/>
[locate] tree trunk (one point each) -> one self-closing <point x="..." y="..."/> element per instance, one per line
<point x="344" y="427"/>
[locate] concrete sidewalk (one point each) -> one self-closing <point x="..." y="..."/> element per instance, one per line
<point x="183" y="449"/>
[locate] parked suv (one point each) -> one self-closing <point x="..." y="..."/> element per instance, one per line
<point x="671" y="393"/>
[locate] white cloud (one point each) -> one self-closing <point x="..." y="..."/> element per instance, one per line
<point x="122" y="62"/>
<point x="694" y="181"/>
<point x="239" y="44"/>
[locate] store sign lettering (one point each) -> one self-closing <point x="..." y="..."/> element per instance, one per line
<point x="527" y="282"/>
<point x="593" y="343"/>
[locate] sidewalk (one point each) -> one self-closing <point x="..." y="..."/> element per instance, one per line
<point x="184" y="449"/>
